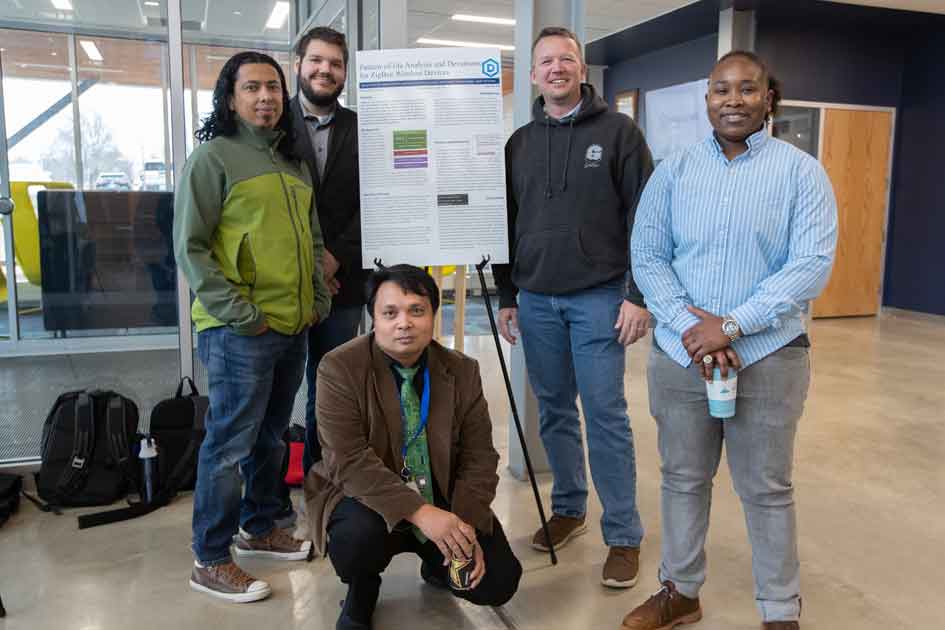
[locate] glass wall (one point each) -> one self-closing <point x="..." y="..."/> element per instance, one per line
<point x="87" y="100"/>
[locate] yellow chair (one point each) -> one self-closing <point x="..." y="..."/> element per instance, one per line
<point x="26" y="227"/>
<point x="3" y="287"/>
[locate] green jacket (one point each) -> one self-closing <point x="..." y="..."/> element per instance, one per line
<point x="246" y="236"/>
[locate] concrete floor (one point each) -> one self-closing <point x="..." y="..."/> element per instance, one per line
<point x="870" y="477"/>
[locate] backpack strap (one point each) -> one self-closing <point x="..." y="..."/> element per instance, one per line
<point x="118" y="436"/>
<point x="185" y="465"/>
<point x="75" y="476"/>
<point x="180" y="388"/>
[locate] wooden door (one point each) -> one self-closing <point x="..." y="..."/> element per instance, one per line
<point x="855" y="154"/>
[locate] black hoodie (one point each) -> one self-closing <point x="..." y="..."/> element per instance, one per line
<point x="572" y="188"/>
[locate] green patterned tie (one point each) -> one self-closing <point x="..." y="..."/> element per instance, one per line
<point x="418" y="453"/>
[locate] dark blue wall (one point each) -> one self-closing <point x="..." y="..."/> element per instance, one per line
<point x="915" y="256"/>
<point x="670" y="66"/>
<point x="836" y="53"/>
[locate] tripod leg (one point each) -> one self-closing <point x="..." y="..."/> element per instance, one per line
<point x="518" y="424"/>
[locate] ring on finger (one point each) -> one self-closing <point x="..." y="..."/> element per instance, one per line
<point x="708" y="359"/>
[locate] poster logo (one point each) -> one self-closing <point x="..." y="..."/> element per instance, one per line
<point x="490" y="68"/>
<point x="592" y="158"/>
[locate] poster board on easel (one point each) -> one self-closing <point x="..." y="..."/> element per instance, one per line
<point x="431" y="158"/>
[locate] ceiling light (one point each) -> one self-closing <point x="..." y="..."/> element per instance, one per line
<point x="62" y="5"/>
<point x="451" y="42"/>
<point x="150" y="3"/>
<point x="91" y="50"/>
<point x="237" y="13"/>
<point x="280" y="12"/>
<point x="482" y="19"/>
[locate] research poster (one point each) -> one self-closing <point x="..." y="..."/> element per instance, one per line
<point x="431" y="154"/>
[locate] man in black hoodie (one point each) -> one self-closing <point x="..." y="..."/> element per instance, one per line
<point x="574" y="176"/>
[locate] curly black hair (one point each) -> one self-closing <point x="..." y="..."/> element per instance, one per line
<point x="222" y="120"/>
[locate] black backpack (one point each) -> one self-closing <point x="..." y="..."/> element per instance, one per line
<point x="10" y="487"/>
<point x="87" y="449"/>
<point x="177" y="426"/>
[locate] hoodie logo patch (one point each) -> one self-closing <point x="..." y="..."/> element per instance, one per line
<point x="592" y="158"/>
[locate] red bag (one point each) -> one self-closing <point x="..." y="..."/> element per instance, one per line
<point x="295" y="474"/>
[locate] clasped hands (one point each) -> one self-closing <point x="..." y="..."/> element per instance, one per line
<point x="453" y="537"/>
<point x="707" y="339"/>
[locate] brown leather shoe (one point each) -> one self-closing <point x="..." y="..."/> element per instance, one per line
<point x="621" y="567"/>
<point x="665" y="609"/>
<point x="781" y="625"/>
<point x="561" y="529"/>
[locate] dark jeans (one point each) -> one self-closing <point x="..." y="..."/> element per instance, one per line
<point x="339" y="327"/>
<point x="360" y="547"/>
<point x="252" y="386"/>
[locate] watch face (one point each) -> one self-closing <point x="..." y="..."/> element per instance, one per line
<point x="730" y="327"/>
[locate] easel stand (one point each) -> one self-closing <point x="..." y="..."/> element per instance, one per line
<point x="518" y="423"/>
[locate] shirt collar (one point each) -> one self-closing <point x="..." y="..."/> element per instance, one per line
<point x="755" y="141"/>
<point x="308" y="114"/>
<point x="421" y="362"/>
<point x="571" y="113"/>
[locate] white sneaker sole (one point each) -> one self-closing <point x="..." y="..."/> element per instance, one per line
<point x="307" y="552"/>
<point x="577" y="531"/>
<point x="236" y="598"/>
<point x="612" y="583"/>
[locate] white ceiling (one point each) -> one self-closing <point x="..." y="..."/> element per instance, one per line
<point x="924" y="6"/>
<point x="240" y="19"/>
<point x="432" y="18"/>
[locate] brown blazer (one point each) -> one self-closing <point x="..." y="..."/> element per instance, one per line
<point x="359" y="427"/>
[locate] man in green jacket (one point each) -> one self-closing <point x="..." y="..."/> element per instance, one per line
<point x="247" y="238"/>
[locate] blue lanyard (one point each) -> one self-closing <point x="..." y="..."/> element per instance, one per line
<point x="424" y="413"/>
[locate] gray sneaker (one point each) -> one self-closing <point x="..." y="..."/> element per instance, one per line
<point x="278" y="544"/>
<point x="228" y="581"/>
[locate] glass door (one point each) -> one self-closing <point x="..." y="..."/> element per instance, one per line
<point x="90" y="279"/>
<point x="799" y="126"/>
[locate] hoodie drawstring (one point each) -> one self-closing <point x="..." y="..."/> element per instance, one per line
<point x="547" y="158"/>
<point x="567" y="156"/>
<point x="549" y="191"/>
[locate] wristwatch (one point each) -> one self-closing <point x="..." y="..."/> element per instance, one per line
<point x="730" y="328"/>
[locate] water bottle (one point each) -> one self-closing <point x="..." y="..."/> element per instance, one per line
<point x="149" y="469"/>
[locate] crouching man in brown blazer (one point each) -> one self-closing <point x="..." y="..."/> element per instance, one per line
<point x="408" y="462"/>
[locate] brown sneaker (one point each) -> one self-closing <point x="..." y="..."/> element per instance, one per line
<point x="781" y="625"/>
<point x="278" y="544"/>
<point x="228" y="581"/>
<point x="665" y="609"/>
<point x="621" y="567"/>
<point x="561" y="529"/>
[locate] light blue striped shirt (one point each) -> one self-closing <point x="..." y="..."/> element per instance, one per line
<point x="753" y="238"/>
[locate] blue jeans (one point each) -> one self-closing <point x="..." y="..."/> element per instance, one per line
<point x="571" y="348"/>
<point x="252" y="387"/>
<point x="339" y="327"/>
<point x="759" y="447"/>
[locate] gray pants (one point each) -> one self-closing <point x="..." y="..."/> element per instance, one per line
<point x="760" y="450"/>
